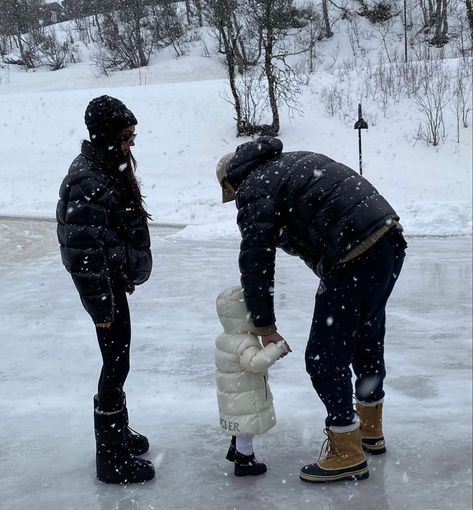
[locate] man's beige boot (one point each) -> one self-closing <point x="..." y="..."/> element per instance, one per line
<point x="345" y="459"/>
<point x="371" y="427"/>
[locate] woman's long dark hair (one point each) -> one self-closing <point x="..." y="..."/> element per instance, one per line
<point x="122" y="167"/>
<point x="134" y="186"/>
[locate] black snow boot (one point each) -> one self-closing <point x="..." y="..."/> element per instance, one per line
<point x="248" y="465"/>
<point x="137" y="443"/>
<point x="115" y="461"/>
<point x="231" y="450"/>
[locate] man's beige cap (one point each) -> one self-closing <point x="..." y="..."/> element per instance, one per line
<point x="222" y="167"/>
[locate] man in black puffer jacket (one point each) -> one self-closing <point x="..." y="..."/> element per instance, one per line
<point x="105" y="246"/>
<point x="348" y="234"/>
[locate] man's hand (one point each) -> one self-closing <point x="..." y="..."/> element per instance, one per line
<point x="274" y="338"/>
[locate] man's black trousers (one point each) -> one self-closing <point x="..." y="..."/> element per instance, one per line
<point x="348" y="328"/>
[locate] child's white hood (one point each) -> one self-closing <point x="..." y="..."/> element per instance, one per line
<point x="232" y="311"/>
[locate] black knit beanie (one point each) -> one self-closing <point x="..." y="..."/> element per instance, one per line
<point x="106" y="117"/>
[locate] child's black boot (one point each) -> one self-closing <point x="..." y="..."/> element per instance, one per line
<point x="248" y="465"/>
<point x="231" y="450"/>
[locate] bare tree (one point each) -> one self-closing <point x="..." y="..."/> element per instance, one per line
<point x="18" y="18"/>
<point x="127" y="43"/>
<point x="275" y="19"/>
<point x="221" y="16"/>
<point x="133" y="31"/>
<point x="167" y="27"/>
<point x="258" y="37"/>
<point x="469" y="13"/>
<point x="435" y="15"/>
<point x="440" y="37"/>
<point x="331" y="97"/>
<point x="432" y="101"/>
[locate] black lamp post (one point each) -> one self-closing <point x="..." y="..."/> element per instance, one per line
<point x="360" y="124"/>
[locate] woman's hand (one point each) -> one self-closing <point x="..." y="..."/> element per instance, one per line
<point x="103" y="324"/>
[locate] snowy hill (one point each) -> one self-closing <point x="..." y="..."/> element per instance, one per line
<point x="186" y="124"/>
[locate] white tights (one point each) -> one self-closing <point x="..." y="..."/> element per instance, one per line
<point x="244" y="444"/>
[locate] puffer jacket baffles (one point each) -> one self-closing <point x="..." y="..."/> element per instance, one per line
<point x="305" y="203"/>
<point x="244" y="398"/>
<point x="104" y="241"/>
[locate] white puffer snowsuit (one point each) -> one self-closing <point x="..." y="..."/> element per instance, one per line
<point x="244" y="399"/>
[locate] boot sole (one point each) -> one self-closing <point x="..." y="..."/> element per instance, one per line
<point x="316" y="473"/>
<point x="120" y="481"/>
<point x="116" y="479"/>
<point x="369" y="445"/>
<point x="239" y="473"/>
<point x="110" y="473"/>
<point x="374" y="451"/>
<point x="361" y="474"/>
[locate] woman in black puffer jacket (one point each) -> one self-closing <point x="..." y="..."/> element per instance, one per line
<point x="105" y="245"/>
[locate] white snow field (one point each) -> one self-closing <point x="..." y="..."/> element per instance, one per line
<point x="50" y="362"/>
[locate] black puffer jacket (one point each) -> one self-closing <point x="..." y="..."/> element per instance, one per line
<point x="105" y="242"/>
<point x="305" y="203"/>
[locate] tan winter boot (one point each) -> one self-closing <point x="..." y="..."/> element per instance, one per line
<point x="345" y="459"/>
<point x="371" y="427"/>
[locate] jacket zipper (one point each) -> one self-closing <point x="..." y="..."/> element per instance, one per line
<point x="265" y="388"/>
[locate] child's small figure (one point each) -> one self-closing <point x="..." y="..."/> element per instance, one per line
<point x="245" y="401"/>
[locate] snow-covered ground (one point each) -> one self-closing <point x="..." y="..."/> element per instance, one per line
<point x="50" y="362"/>
<point x="186" y="124"/>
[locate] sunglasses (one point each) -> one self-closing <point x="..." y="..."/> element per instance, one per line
<point x="127" y="137"/>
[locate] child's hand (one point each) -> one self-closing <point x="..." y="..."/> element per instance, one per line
<point x="275" y="338"/>
<point x="283" y="345"/>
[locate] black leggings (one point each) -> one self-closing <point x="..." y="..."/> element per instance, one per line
<point x="114" y="343"/>
<point x="348" y="329"/>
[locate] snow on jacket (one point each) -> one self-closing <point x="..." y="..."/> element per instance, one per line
<point x="303" y="202"/>
<point x="104" y="241"/>
<point x="244" y="398"/>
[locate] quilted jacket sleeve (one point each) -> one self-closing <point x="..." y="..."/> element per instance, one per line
<point x="256" y="359"/>
<point x="257" y="221"/>
<point x="83" y="221"/>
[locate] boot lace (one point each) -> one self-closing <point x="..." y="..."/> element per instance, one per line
<point x="132" y="432"/>
<point x="328" y="447"/>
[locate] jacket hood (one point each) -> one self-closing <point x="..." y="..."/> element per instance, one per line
<point x="232" y="312"/>
<point x="249" y="156"/>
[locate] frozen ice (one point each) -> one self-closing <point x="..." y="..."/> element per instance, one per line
<point x="50" y="364"/>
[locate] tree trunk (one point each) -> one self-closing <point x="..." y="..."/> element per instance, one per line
<point x="188" y="12"/>
<point x="440" y="25"/>
<point x="230" y="58"/>
<point x="198" y="6"/>
<point x="99" y="29"/>
<point x="142" y="57"/>
<point x="328" y="29"/>
<point x="469" y="13"/>
<point x="268" y="67"/>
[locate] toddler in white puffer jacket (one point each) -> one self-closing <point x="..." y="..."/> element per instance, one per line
<point x="245" y="401"/>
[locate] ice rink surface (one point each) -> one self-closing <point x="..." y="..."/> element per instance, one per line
<point x="49" y="363"/>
